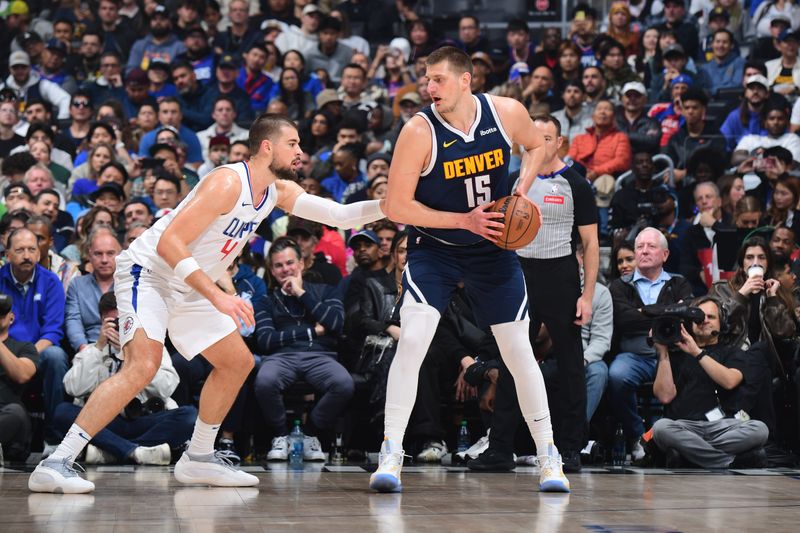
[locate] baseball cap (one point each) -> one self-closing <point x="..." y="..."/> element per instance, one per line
<point x="327" y="96"/>
<point x="136" y="77"/>
<point x="30" y="37"/>
<point x="19" y="58"/>
<point x="305" y="227"/>
<point x="57" y="45"/>
<point x="673" y="49"/>
<point x="158" y="63"/>
<point x="228" y="61"/>
<point x="719" y="12"/>
<point x="17" y="7"/>
<point x="271" y="24"/>
<point x="383" y="156"/>
<point x="402" y="45"/>
<point x="482" y="57"/>
<point x="160" y="10"/>
<point x="6" y="303"/>
<point x="787" y="34"/>
<point x="634" y="86"/>
<point x="758" y="79"/>
<point x="196" y="30"/>
<point x="111" y="187"/>
<point x="681" y="78"/>
<point x="12" y="188"/>
<point x="780" y="19"/>
<point x="311" y="8"/>
<point x="411" y="96"/>
<point x="364" y="234"/>
<point x="218" y="140"/>
<point x="167" y="127"/>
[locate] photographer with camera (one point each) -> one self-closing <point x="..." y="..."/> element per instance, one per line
<point x="698" y="384"/>
<point x="152" y="423"/>
<point x="636" y="363"/>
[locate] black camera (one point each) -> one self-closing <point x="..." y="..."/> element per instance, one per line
<point x="651" y="207"/>
<point x="668" y="319"/>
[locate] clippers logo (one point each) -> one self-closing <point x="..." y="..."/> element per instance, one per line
<point x="127" y="326"/>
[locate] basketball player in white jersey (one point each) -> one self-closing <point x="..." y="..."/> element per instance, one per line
<point x="166" y="281"/>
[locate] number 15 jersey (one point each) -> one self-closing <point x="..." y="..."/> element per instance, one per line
<point x="465" y="170"/>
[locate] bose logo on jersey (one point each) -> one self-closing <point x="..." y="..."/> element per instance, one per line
<point x="238" y="229"/>
<point x="487" y="132"/>
<point x="466" y="166"/>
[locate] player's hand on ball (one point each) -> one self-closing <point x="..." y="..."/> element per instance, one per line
<point x="236" y="308"/>
<point x="485" y="223"/>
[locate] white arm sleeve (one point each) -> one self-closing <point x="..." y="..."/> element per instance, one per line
<point x="331" y="213"/>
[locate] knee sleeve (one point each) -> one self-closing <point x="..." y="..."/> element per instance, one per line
<point x="417" y="326"/>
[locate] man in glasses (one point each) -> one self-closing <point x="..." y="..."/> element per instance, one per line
<point x="30" y="84"/>
<point x="109" y="83"/>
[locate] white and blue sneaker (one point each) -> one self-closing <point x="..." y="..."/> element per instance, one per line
<point x="551" y="474"/>
<point x="58" y="475"/>
<point x="390" y="461"/>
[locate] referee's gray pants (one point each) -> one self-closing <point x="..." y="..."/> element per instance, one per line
<point x="710" y="444"/>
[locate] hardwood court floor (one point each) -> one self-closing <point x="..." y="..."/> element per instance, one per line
<point x="437" y="499"/>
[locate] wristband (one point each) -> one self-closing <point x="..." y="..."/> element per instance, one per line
<point x="185" y="267"/>
<point x="701" y="355"/>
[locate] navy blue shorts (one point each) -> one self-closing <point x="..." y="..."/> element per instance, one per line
<point x="492" y="277"/>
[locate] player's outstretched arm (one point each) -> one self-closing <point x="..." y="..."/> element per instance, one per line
<point x="411" y="156"/>
<point x="520" y="128"/>
<point x="293" y="199"/>
<point x="216" y="196"/>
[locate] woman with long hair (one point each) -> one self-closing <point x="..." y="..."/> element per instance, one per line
<point x="100" y="154"/>
<point x="298" y="102"/>
<point x="623" y="260"/>
<point x="785" y="196"/>
<point x="731" y="190"/>
<point x="420" y="35"/>
<point x="319" y="133"/>
<point x="645" y="54"/>
<point x="78" y="250"/>
<point x="758" y="308"/>
<point x="747" y="213"/>
<point x="310" y="82"/>
<point x="569" y="64"/>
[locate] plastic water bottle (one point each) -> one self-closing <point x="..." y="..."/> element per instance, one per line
<point x="618" y="451"/>
<point x="246" y="331"/>
<point x="337" y="457"/>
<point x="296" y="447"/>
<point x="463" y="437"/>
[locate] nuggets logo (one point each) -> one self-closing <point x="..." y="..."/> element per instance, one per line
<point x="467" y="166"/>
<point x="127" y="326"/>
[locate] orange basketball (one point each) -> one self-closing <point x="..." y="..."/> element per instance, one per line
<point x="521" y="221"/>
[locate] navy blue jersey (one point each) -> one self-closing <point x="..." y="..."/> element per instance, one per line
<point x="465" y="171"/>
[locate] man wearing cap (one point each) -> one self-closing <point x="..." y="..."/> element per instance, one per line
<point x="367" y="253"/>
<point x="238" y="37"/>
<point x="225" y="74"/>
<point x="668" y="114"/>
<point x="32" y="44"/>
<point x="117" y="34"/>
<point x="575" y="117"/>
<point x="725" y="68"/>
<point x="18" y="362"/>
<point x="756" y="93"/>
<point x="469" y="35"/>
<point x="15" y="21"/>
<point x="775" y="120"/>
<point x="82" y="319"/>
<point x="316" y="267"/>
<point x="675" y="65"/>
<point x="39" y="315"/>
<point x="685" y="28"/>
<point x="329" y="55"/>
<point x="304" y="37"/>
<point x="30" y="85"/>
<point x="297" y="328"/>
<point x="783" y="73"/>
<point x="219" y="147"/>
<point x="17" y="196"/>
<point x="52" y="67"/>
<point x="161" y="43"/>
<point x="768" y="47"/>
<point x="643" y="132"/>
<point x="199" y="54"/>
<point x="136" y="92"/>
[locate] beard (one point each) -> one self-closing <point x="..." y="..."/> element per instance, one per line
<point x="283" y="173"/>
<point x="159" y="32"/>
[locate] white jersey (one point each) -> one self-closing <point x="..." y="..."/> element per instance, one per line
<point x="217" y="247"/>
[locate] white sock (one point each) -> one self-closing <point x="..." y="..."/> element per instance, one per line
<point x="515" y="347"/>
<point x="203" y="438"/>
<point x="417" y="326"/>
<point x="73" y="444"/>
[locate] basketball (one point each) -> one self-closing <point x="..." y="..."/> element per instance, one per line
<point x="521" y="221"/>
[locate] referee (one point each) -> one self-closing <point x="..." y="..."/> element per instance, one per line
<point x="553" y="281"/>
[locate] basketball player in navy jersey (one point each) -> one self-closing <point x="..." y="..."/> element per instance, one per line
<point x="450" y="164"/>
<point x="166" y="279"/>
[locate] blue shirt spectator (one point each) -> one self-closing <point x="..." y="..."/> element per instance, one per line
<point x="82" y="316"/>
<point x="38" y="305"/>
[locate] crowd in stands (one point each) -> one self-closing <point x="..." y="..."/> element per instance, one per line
<point x="683" y="114"/>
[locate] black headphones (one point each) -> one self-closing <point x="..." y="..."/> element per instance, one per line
<point x="724" y="325"/>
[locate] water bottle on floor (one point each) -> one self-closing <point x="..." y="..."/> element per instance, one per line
<point x="463" y="437"/>
<point x="618" y="450"/>
<point x="337" y="456"/>
<point x="296" y="447"/>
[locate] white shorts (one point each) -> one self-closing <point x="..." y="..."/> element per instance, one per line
<point x="151" y="302"/>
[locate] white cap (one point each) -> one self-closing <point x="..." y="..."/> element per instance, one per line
<point x="19" y="58"/>
<point x="634" y="86"/>
<point x="310" y="8"/>
<point x="401" y="44"/>
<point x="759" y="79"/>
